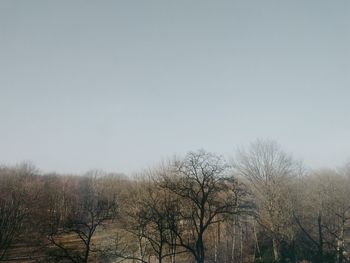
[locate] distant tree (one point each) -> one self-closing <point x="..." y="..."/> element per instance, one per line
<point x="91" y="211"/>
<point x="153" y="217"/>
<point x="15" y="194"/>
<point x="12" y="215"/>
<point x="322" y="215"/>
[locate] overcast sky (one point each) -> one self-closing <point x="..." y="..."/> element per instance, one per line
<point x="120" y="85"/>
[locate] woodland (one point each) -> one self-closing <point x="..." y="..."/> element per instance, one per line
<point x="262" y="205"/>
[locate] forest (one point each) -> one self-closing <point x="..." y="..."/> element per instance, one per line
<point x="262" y="205"/>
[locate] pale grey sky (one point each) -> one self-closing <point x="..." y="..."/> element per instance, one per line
<point x="119" y="85"/>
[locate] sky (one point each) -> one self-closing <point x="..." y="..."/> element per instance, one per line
<point x="121" y="85"/>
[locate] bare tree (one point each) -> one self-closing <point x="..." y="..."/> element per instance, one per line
<point x="12" y="214"/>
<point x="269" y="172"/>
<point x="15" y="193"/>
<point x="91" y="211"/>
<point x="207" y="192"/>
<point x="322" y="214"/>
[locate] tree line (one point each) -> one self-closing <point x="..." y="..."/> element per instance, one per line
<point x="262" y="206"/>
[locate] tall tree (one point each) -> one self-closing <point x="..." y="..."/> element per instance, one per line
<point x="269" y="172"/>
<point x="207" y="192"/>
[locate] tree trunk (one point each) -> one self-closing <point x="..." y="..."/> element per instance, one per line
<point x="172" y="251"/>
<point x="217" y="243"/>
<point x="241" y="243"/>
<point x="200" y="249"/>
<point x="276" y="249"/>
<point x="87" y="249"/>
<point x="256" y="242"/>
<point x="233" y="243"/>
<point x="340" y="243"/>
<point x="320" y="235"/>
